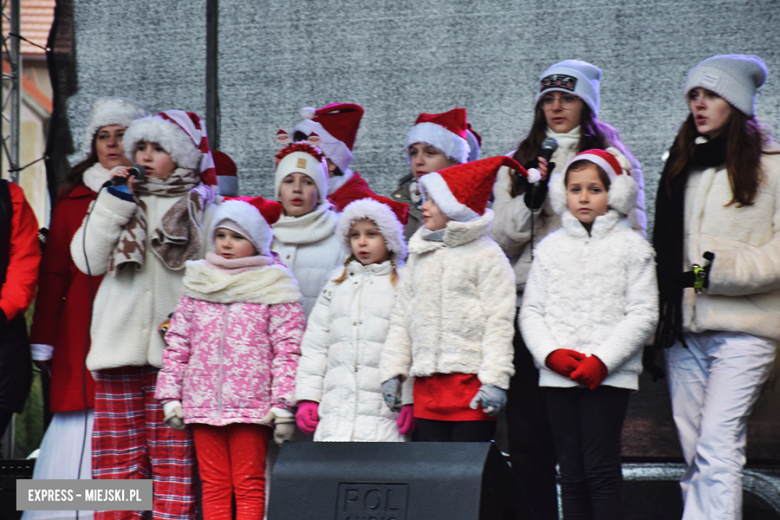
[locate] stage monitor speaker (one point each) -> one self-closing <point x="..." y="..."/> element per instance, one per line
<point x="394" y="481"/>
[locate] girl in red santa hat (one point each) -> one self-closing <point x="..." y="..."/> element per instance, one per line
<point x="305" y="235"/>
<point x="141" y="234"/>
<point x="233" y="348"/>
<point x="451" y="328"/>
<point x="338" y="387"/>
<point x="435" y="142"/>
<point x="590" y="304"/>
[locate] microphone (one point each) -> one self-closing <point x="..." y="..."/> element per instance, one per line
<point x="549" y="145"/>
<point x="137" y="170"/>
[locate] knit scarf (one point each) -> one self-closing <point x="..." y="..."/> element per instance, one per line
<point x="668" y="235"/>
<point x="309" y="228"/>
<point x="179" y="237"/>
<point x="238" y="265"/>
<point x="568" y="141"/>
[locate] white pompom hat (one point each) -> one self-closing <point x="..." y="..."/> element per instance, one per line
<point x="107" y="111"/>
<point x="384" y="218"/>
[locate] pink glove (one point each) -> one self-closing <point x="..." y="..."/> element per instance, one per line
<point x="591" y="372"/>
<point x="307" y="416"/>
<point x="407" y="422"/>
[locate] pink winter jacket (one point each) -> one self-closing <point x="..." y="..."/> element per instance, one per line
<point x="232" y="362"/>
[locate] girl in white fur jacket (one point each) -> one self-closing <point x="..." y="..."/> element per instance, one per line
<point x="590" y="305"/>
<point x="338" y="386"/>
<point x="305" y="236"/>
<point x="452" y="326"/>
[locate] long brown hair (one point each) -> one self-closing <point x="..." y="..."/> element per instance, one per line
<point x="743" y="155"/>
<point x="75" y="175"/>
<point x="593" y="134"/>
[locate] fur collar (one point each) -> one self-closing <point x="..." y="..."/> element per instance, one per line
<point x="455" y="234"/>
<point x="312" y="227"/>
<point x="95" y="176"/>
<point x="602" y="226"/>
<point x="269" y="285"/>
<point x="337" y="181"/>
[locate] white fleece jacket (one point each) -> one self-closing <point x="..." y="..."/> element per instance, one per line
<point x="512" y="226"/>
<point x="131" y="305"/>
<point x="455" y="308"/>
<point x="596" y="294"/>
<point x="309" y="247"/>
<point x="744" y="288"/>
<point x="339" y="365"/>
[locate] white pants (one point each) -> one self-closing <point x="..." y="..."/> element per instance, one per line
<point x="714" y="384"/>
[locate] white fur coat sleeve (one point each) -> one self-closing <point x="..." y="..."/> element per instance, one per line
<point x="396" y="356"/>
<point x="313" y="363"/>
<point x="512" y="224"/>
<point x="536" y="333"/>
<point x="640" y="314"/>
<point x="109" y="215"/>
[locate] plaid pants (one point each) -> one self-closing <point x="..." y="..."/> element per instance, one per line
<point x="130" y="440"/>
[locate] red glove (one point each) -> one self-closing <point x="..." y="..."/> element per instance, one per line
<point x="590" y="373"/>
<point x="407" y="422"/>
<point x="307" y="416"/>
<point x="563" y="361"/>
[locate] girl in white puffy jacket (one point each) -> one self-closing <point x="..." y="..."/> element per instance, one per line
<point x="590" y="304"/>
<point x="305" y="236"/>
<point x="338" y="386"/>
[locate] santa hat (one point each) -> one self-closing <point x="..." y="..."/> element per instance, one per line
<point x="107" y="111"/>
<point x="381" y="214"/>
<point x="250" y="217"/>
<point x="447" y="131"/>
<point x="304" y="158"/>
<point x="336" y="126"/>
<point x="181" y="134"/>
<point x="574" y="77"/>
<point x="622" y="187"/>
<point x="475" y="143"/>
<point x="227" y="177"/>
<point x="462" y="191"/>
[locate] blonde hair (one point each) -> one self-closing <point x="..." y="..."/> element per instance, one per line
<point x="393" y="275"/>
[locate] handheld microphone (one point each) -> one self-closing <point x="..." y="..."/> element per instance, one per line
<point x="549" y="145"/>
<point x="137" y="170"/>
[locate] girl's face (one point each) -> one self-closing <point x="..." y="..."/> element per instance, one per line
<point x="157" y="162"/>
<point x="562" y="111"/>
<point x="298" y="194"/>
<point x="425" y="158"/>
<point x="711" y="112"/>
<point x="433" y="217"/>
<point x="108" y="145"/>
<point x="368" y="244"/>
<point x="229" y="244"/>
<point x="586" y="195"/>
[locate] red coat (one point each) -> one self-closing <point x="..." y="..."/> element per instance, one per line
<point x="62" y="308"/>
<point x="24" y="257"/>
<point x="356" y="188"/>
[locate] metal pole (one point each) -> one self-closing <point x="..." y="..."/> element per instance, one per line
<point x="10" y="102"/>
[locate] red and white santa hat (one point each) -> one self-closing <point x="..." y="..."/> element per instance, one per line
<point x="447" y="131"/>
<point x="462" y="191"/>
<point x="622" y="188"/>
<point x="385" y="215"/>
<point x="336" y="126"/>
<point x="181" y="134"/>
<point x="251" y="218"/>
<point x="227" y="174"/>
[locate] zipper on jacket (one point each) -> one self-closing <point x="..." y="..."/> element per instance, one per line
<point x="357" y="350"/>
<point x="222" y="361"/>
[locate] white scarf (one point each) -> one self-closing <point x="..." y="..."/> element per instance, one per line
<point x="568" y="141"/>
<point x="312" y="227"/>
<point x="269" y="285"/>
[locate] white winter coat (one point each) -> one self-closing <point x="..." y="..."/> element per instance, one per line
<point x="512" y="226"/>
<point x="744" y="283"/>
<point x="339" y="365"/>
<point x="131" y="305"/>
<point x="309" y="247"/>
<point x="596" y="294"/>
<point x="455" y="308"/>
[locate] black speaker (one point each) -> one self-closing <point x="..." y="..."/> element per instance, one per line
<point x="394" y="481"/>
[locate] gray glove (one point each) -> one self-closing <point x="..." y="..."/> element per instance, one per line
<point x="174" y="415"/>
<point x="391" y="391"/>
<point x="493" y="399"/>
<point x="283" y="430"/>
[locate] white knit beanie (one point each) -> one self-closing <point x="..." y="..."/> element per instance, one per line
<point x="574" y="77"/>
<point x="245" y="219"/>
<point x="107" y="111"/>
<point x="303" y="158"/>
<point x="734" y="77"/>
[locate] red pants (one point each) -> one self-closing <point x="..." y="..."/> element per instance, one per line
<point x="231" y="460"/>
<point x="130" y="440"/>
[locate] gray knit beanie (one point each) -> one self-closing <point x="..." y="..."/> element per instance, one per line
<point x="734" y="77"/>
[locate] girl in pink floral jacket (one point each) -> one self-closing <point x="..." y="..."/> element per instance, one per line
<point x="233" y="348"/>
